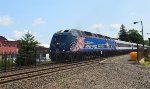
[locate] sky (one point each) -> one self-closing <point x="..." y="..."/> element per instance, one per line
<point x="43" y="18"/>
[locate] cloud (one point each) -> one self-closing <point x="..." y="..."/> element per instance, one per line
<point x="97" y="26"/>
<point x="113" y="35"/>
<point x="10" y="39"/>
<point x="18" y="34"/>
<point x="115" y="26"/>
<point x="38" y="21"/>
<point x="5" y="20"/>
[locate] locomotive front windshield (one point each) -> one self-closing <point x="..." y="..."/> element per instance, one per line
<point x="61" y="42"/>
<point x="60" y="39"/>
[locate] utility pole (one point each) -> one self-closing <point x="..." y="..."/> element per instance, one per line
<point x="141" y="30"/>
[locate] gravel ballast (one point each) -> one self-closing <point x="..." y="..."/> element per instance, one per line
<point x="113" y="73"/>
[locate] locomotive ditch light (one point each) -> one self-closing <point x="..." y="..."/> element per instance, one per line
<point x="58" y="43"/>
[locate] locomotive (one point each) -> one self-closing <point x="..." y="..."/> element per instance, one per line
<point x="66" y="44"/>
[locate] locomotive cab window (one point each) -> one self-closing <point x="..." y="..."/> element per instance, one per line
<point x="66" y="31"/>
<point x="100" y="36"/>
<point x="88" y="33"/>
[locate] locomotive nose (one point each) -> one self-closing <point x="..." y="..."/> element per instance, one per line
<point x="61" y="48"/>
<point x="61" y="42"/>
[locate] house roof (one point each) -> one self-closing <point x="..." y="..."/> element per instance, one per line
<point x="1" y="37"/>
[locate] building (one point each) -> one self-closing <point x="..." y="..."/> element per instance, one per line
<point x="7" y="46"/>
<point x="42" y="52"/>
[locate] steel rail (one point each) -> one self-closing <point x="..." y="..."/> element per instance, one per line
<point x="20" y="76"/>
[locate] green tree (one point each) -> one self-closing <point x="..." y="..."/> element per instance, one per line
<point x="146" y="42"/>
<point x="123" y="34"/>
<point x="135" y="37"/>
<point x="26" y="52"/>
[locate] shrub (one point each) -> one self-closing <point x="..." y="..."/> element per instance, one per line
<point x="9" y="63"/>
<point x="26" y="52"/>
<point x="25" y="59"/>
<point x="147" y="59"/>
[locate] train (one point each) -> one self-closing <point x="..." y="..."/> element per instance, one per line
<point x="80" y="43"/>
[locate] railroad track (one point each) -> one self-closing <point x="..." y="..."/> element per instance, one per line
<point x="23" y="68"/>
<point x="43" y="71"/>
<point x="27" y="69"/>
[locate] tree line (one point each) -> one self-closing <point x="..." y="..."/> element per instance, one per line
<point x="132" y="35"/>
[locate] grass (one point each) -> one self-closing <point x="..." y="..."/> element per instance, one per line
<point x="147" y="59"/>
<point x="147" y="62"/>
<point x="1" y="63"/>
<point x="9" y="63"/>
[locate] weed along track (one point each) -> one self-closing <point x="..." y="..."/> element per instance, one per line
<point x="43" y="71"/>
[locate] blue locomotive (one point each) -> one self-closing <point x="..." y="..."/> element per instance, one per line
<point x="66" y="42"/>
<point x="76" y="40"/>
